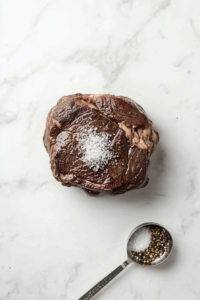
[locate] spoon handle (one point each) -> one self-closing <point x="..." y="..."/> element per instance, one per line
<point x="93" y="291"/>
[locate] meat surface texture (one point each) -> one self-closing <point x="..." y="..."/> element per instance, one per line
<point x="100" y="143"/>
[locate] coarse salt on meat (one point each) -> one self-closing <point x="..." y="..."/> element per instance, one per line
<point x="96" y="148"/>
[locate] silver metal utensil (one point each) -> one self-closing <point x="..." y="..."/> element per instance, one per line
<point x="130" y="258"/>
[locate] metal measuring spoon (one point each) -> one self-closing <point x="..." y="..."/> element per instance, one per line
<point x="130" y="259"/>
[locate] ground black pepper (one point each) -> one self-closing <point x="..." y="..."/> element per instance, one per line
<point x="158" y="245"/>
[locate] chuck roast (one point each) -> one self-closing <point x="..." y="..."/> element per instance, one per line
<point x="99" y="143"/>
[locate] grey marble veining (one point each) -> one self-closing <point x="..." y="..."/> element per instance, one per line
<point x="147" y="50"/>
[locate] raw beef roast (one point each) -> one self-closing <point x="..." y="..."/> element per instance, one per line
<point x="99" y="143"/>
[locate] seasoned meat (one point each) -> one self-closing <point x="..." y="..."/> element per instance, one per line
<point x="99" y="143"/>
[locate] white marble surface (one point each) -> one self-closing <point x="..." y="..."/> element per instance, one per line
<point x="56" y="242"/>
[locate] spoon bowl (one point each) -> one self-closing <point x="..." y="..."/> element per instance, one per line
<point x="131" y="258"/>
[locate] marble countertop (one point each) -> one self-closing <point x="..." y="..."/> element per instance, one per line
<point x="57" y="242"/>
